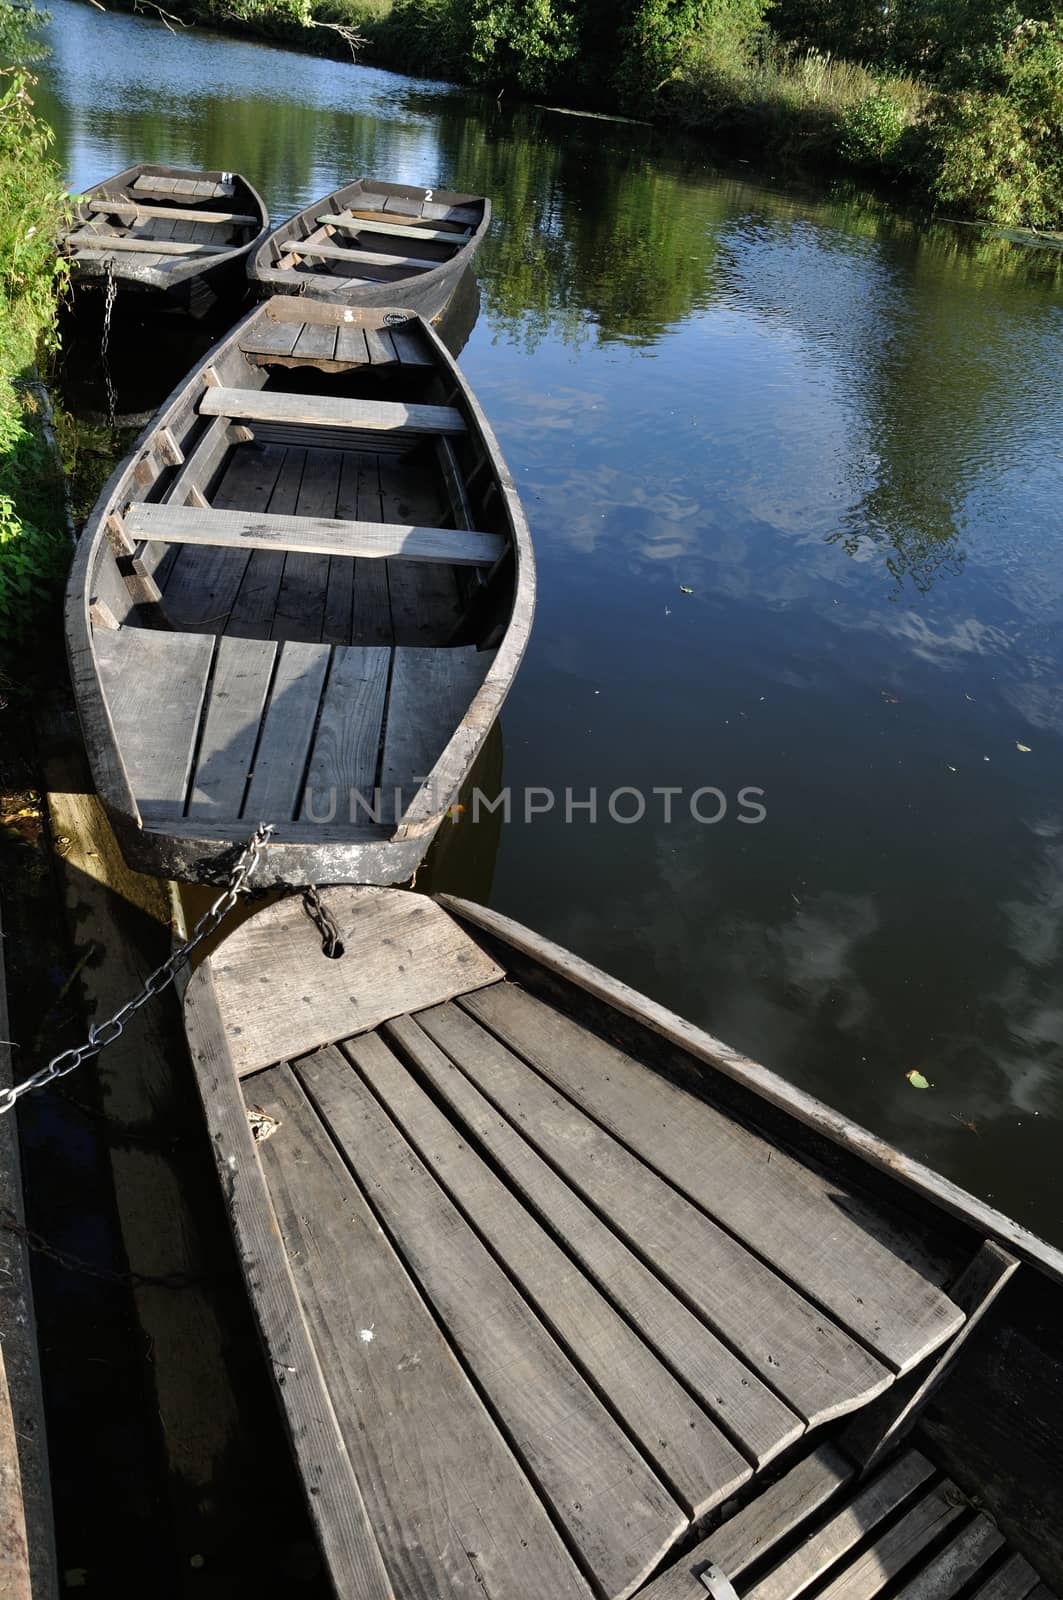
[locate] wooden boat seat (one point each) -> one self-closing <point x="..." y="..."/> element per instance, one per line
<point x="130" y="208"/>
<point x="548" y="1289"/>
<point x="203" y="189"/>
<point x="347" y="344"/>
<point x="823" y="1530"/>
<point x="145" y="243"/>
<point x="353" y="257"/>
<point x="215" y="729"/>
<point x="313" y="410"/>
<point x="350" y="222"/>
<point x="320" y="536"/>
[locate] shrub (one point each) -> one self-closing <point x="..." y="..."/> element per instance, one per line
<point x="871" y="131"/>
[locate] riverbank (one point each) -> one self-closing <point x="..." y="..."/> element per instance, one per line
<point x="975" y="126"/>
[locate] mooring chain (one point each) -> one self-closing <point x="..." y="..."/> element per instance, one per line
<point x="324" y="922"/>
<point x="9" y="1223"/>
<point x="101" y="1034"/>
<point x="110" y="295"/>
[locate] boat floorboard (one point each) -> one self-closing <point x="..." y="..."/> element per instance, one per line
<point x="546" y="1356"/>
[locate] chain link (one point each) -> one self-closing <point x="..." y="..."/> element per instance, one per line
<point x="102" y="1034"/>
<point x="324" y="922"/>
<point x="65" y="1258"/>
<point x="109" y="298"/>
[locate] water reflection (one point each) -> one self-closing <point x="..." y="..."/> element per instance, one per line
<point x="838" y="428"/>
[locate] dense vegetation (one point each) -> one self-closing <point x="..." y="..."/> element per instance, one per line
<point x="32" y="527"/>
<point x="961" y="100"/>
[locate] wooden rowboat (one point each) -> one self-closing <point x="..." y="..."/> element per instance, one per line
<point x="301" y="600"/>
<point x="180" y="237"/>
<point x="563" y="1297"/>
<point x="375" y="244"/>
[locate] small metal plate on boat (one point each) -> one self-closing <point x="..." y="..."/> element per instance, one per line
<point x="716" y="1582"/>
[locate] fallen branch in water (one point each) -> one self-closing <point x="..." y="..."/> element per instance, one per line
<point x="167" y="18"/>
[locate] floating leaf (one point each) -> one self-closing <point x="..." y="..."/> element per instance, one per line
<point x="1025" y="748"/>
<point x="684" y="590"/>
<point x="917" y="1080"/>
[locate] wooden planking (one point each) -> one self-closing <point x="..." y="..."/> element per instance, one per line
<point x="955" y="1566"/>
<point x="409" y="346"/>
<point x="152" y="244"/>
<point x="425" y="599"/>
<point x="781" y="1210"/>
<point x="436" y="211"/>
<point x="818" y="1370"/>
<point x="333" y="1494"/>
<point x="902" y="1543"/>
<point x="203" y="585"/>
<point x="371" y="609"/>
<point x="351" y="345"/>
<point x="332" y="410"/>
<point x="734" y="1396"/>
<point x="130" y="208"/>
<point x="203" y="462"/>
<point x="154" y="684"/>
<point x="431" y="691"/>
<point x="301" y="599"/>
<point x="688" y="1452"/>
<point x="337" y="622"/>
<point x="316" y="339"/>
<point x="269" y="338"/>
<point x="355" y="258"/>
<point x="350" y="222"/>
<point x="454" y="1513"/>
<point x="380" y="345"/>
<point x="15" y="1579"/>
<point x="754" y="1531"/>
<point x="310" y="534"/>
<point x="287" y="733"/>
<point x="347" y="744"/>
<point x="617" y="1516"/>
<point x="855" y="1521"/>
<point x="242" y="674"/>
<point x="409" y="954"/>
<point x="1014" y="1579"/>
<point x="256" y="601"/>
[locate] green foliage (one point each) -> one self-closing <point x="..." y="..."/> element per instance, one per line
<point x="871" y="132"/>
<point x="19" y="44"/>
<point x="523" y="42"/>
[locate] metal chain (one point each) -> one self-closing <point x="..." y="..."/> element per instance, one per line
<point x="101" y="1034"/>
<point x="109" y="298"/>
<point x="324" y="921"/>
<point x="65" y="1258"/>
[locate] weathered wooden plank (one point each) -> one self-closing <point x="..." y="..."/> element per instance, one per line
<point x="351" y="345"/>
<point x="410" y="347"/>
<point x="203" y="462"/>
<point x="960" y="1561"/>
<point x="856" y="1520"/>
<point x="616" y="1514"/>
<point x="242" y="673"/>
<point x="425" y="598"/>
<point x="132" y="209"/>
<point x="355" y="258"/>
<point x="371" y="602"/>
<point x="335" y="410"/>
<point x="316" y="339"/>
<point x="869" y="1574"/>
<point x="15" y="1581"/>
<point x="270" y="338"/>
<point x="1014" y="1579"/>
<point x="818" y="1369"/>
<point x="154" y="245"/>
<point x="778" y="1208"/>
<point x="276" y="784"/>
<point x="431" y="691"/>
<point x="751" y="1413"/>
<point x="879" y="1429"/>
<point x="256" y="602"/>
<point x="323" y="536"/>
<point x="154" y="684"/>
<point x="339" y="596"/>
<point x="755" y="1530"/>
<point x="409" y="955"/>
<point x="301" y="599"/>
<point x="689" y="1453"/>
<point x="158" y="184"/>
<point x="334" y="1496"/>
<point x="454" y="1513"/>
<point x="380" y="345"/>
<point x="347" y="745"/>
<point x="436" y="211"/>
<point x="351" y="222"/>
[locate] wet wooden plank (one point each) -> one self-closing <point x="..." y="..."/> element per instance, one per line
<point x="242" y="674"/>
<point x="347" y="745"/>
<point x="732" y="1394"/>
<point x="775" y="1206"/>
<point x="409" y="954"/>
<point x="818" y="1369"/>
<point x="870" y="1573"/>
<point x="308" y="533"/>
<point x="615" y="1512"/>
<point x="155" y="684"/>
<point x="855" y="1521"/>
<point x="755" y="1530"/>
<point x="431" y="691"/>
<point x="455" y="1515"/>
<point x="276" y="785"/>
<point x="955" y="1566"/>
<point x="335" y="410"/>
<point x="689" y="1454"/>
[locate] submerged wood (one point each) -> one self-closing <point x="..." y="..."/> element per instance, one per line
<point x="160" y="231"/>
<point x="345" y="248"/>
<point x="528" y="1319"/>
<point x="301" y="600"/>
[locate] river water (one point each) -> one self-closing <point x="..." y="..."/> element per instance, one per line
<point x="794" y="468"/>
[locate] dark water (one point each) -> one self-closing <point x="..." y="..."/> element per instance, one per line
<point x="843" y="432"/>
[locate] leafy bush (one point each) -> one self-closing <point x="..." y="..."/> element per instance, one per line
<point x="871" y="132"/>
